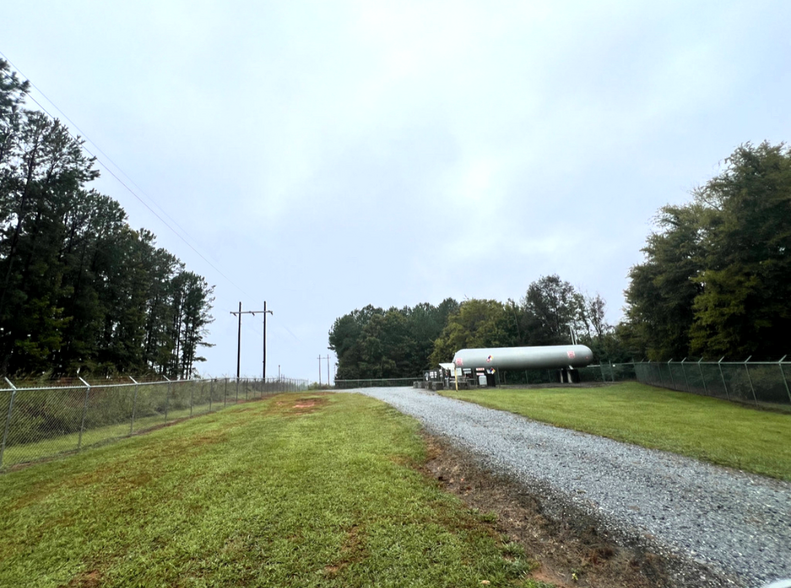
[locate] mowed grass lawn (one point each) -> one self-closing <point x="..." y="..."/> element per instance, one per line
<point x="296" y="490"/>
<point x="697" y="426"/>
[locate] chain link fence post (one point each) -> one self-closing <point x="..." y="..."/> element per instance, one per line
<point x="7" y="420"/>
<point x="719" y="364"/>
<point x="211" y="392"/>
<point x="134" y="406"/>
<point x="782" y="373"/>
<point x="84" y="410"/>
<point x="749" y="379"/>
<point x="702" y="377"/>
<point x="167" y="398"/>
<point x="225" y="394"/>
<point x="684" y="371"/>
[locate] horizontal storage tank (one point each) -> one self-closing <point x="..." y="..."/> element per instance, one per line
<point x="525" y="358"/>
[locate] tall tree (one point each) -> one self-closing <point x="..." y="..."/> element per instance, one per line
<point x="551" y="308"/>
<point x="717" y="275"/>
<point x="746" y="284"/>
<point x="662" y="290"/>
<point x="346" y="338"/>
<point x="196" y="297"/>
<point x="41" y="178"/>
<point x="374" y="343"/>
<point x="79" y="289"/>
<point x="478" y="323"/>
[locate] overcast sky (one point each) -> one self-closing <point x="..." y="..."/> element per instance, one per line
<point x="329" y="155"/>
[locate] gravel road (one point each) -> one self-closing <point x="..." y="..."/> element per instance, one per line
<point x="737" y="524"/>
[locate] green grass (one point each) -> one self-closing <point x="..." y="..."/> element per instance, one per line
<point x="264" y="494"/>
<point x="697" y="426"/>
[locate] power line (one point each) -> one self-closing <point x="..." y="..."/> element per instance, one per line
<point x="102" y="163"/>
<point x="99" y="149"/>
<point x="112" y="173"/>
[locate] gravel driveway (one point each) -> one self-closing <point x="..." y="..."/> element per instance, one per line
<point x="738" y="524"/>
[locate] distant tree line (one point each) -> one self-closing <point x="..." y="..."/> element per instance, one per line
<point x="393" y="343"/>
<point x="80" y="291"/>
<point x="716" y="281"/>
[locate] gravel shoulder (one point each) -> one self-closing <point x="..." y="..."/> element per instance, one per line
<point x="731" y="528"/>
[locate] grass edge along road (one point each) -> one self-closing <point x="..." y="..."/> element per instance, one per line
<point x="296" y="490"/>
<point x="709" y="429"/>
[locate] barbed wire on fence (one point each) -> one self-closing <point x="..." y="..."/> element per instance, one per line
<point x="44" y="421"/>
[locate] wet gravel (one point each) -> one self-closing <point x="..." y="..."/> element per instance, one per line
<point x="736" y="524"/>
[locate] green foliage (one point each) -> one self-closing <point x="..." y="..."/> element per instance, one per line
<point x="547" y="315"/>
<point x="374" y="343"/>
<point x="661" y="292"/>
<point x="478" y="323"/>
<point x="549" y="309"/>
<point x="80" y="291"/>
<point x="717" y="276"/>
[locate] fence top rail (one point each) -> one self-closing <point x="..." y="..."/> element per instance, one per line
<point x="381" y="379"/>
<point x="595" y="365"/>
<point x="36" y="387"/>
<point x="21" y="387"/>
<point x="781" y="362"/>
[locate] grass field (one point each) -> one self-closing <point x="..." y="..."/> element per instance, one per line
<point x="697" y="426"/>
<point x="295" y="490"/>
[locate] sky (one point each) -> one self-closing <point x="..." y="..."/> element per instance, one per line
<point x="324" y="156"/>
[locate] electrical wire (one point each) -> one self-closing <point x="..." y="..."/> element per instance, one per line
<point x="96" y="146"/>
<point x="124" y="184"/>
<point x="118" y="179"/>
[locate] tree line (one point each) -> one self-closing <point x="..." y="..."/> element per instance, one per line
<point x="716" y="281"/>
<point x="402" y="342"/>
<point x="80" y="290"/>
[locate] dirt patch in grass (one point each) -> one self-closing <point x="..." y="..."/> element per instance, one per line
<point x="92" y="579"/>
<point x="574" y="551"/>
<point x="352" y="551"/>
<point x="301" y="405"/>
<point x="216" y="436"/>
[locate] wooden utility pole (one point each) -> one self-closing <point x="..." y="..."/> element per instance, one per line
<point x="327" y="357"/>
<point x="239" y="313"/>
<point x="238" y="340"/>
<point x="265" y="313"/>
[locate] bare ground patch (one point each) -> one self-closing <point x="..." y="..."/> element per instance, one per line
<point x="301" y="405"/>
<point x="92" y="579"/>
<point x="573" y="549"/>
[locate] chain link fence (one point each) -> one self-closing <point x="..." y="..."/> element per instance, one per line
<point x="604" y="372"/>
<point x="763" y="384"/>
<point x="41" y="422"/>
<point x="375" y="383"/>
